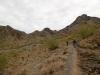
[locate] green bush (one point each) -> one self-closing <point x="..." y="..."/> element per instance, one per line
<point x="83" y="31"/>
<point x="73" y="35"/>
<point x="52" y="44"/>
<point x="14" y="53"/>
<point x="3" y="61"/>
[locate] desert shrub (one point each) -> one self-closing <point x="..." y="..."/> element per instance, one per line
<point x="51" y="44"/>
<point x="74" y="35"/>
<point x="24" y="49"/>
<point x="14" y="53"/>
<point x="63" y="39"/>
<point x="97" y="54"/>
<point x="3" y="61"/>
<point x="3" y="46"/>
<point x="85" y="30"/>
<point x="7" y="46"/>
<point x="41" y="41"/>
<point x="34" y="48"/>
<point x="13" y="46"/>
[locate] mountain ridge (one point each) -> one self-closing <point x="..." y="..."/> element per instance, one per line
<point x="45" y="52"/>
<point x="47" y="32"/>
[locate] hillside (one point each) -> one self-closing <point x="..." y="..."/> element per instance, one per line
<point x="10" y="37"/>
<point x="46" y="53"/>
<point x="83" y="19"/>
<point x="47" y="32"/>
<point x="7" y="31"/>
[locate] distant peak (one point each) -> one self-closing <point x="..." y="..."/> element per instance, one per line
<point x="36" y="31"/>
<point x="83" y="17"/>
<point x="46" y="29"/>
<point x="8" y="26"/>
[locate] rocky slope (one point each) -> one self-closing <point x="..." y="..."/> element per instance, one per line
<point x="9" y="37"/>
<point x="8" y="32"/>
<point x="83" y="19"/>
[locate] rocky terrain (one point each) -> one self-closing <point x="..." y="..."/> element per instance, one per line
<point x="46" y="53"/>
<point x="38" y="62"/>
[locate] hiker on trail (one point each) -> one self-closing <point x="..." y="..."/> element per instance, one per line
<point x="67" y="43"/>
<point x="74" y="42"/>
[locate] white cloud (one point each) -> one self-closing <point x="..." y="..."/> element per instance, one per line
<point x="31" y="15"/>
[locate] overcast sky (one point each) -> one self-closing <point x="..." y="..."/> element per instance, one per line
<point x="31" y="15"/>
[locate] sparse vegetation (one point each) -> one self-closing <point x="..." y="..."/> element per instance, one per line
<point x="24" y="49"/>
<point x="34" y="48"/>
<point x="88" y="57"/>
<point x="83" y="31"/>
<point x="3" y="61"/>
<point x="52" y="44"/>
<point x="14" y="53"/>
<point x="95" y="52"/>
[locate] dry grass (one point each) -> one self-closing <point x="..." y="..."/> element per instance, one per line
<point x="89" y="61"/>
<point x="38" y="62"/>
<point x="3" y="61"/>
<point x="95" y="52"/>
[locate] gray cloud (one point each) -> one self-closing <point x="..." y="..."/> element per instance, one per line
<point x="31" y="15"/>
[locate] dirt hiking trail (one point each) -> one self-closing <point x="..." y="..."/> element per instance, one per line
<point x="72" y="63"/>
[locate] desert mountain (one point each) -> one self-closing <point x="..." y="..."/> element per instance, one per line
<point x="46" y="53"/>
<point x="44" y="33"/>
<point x="9" y="35"/>
<point x="83" y="19"/>
<point x="9" y="32"/>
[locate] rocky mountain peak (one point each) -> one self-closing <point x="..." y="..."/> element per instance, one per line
<point x="83" y="17"/>
<point x="8" y="32"/>
<point x="45" y="32"/>
<point x="36" y="31"/>
<point x="8" y="26"/>
<point x="46" y="29"/>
